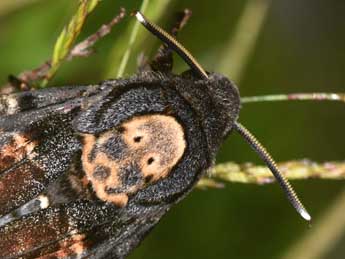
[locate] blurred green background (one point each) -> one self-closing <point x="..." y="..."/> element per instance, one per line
<point x="299" y="47"/>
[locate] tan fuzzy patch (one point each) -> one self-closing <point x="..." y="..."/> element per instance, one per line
<point x="158" y="142"/>
<point x="90" y="168"/>
<point x="152" y="144"/>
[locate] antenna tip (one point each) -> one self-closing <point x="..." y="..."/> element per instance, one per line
<point x="305" y="215"/>
<point x="139" y="16"/>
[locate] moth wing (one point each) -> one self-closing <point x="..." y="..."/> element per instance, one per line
<point x="80" y="229"/>
<point x="61" y="231"/>
<point x="37" y="142"/>
<point x="14" y="103"/>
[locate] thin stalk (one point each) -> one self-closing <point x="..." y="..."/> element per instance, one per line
<point x="249" y="173"/>
<point x="296" y="96"/>
<point x="132" y="39"/>
<point x="237" y="51"/>
<point x="27" y="79"/>
<point x="68" y="36"/>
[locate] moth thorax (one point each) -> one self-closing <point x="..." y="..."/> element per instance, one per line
<point x="126" y="159"/>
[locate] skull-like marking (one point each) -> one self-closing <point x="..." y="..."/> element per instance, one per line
<point x="124" y="160"/>
<point x="157" y="143"/>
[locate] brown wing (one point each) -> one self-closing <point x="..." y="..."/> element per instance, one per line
<point x="37" y="141"/>
<point x="61" y="231"/>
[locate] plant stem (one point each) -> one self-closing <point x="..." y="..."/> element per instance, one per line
<point x="296" y="96"/>
<point x="238" y="50"/>
<point x="293" y="170"/>
<point x="132" y="39"/>
<point x="67" y="37"/>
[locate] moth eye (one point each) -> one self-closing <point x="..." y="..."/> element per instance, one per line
<point x="150" y="160"/>
<point x="137" y="139"/>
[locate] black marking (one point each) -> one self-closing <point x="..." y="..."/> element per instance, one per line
<point x="101" y="172"/>
<point x="137" y="139"/>
<point x="117" y="190"/>
<point x="121" y="129"/>
<point x="148" y="178"/>
<point x="115" y="147"/>
<point x="130" y="176"/>
<point x="92" y="155"/>
<point x="150" y="160"/>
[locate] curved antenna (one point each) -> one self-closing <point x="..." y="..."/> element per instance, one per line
<point x="271" y="164"/>
<point x="172" y="43"/>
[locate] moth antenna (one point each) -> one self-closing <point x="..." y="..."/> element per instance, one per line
<point x="271" y="164"/>
<point x="172" y="43"/>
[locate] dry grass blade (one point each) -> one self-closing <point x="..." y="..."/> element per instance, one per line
<point x="133" y="40"/>
<point x="82" y="49"/>
<point x="293" y="170"/>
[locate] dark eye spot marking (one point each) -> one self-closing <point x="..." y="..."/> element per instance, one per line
<point x="101" y="172"/>
<point x="148" y="178"/>
<point x="121" y="129"/>
<point x="137" y="139"/>
<point x="150" y="160"/>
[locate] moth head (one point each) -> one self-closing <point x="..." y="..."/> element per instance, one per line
<point x="225" y="103"/>
<point x="215" y="98"/>
<point x="216" y="101"/>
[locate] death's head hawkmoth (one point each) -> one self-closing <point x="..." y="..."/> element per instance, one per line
<point x="88" y="171"/>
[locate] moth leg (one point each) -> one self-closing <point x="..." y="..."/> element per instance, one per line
<point x="143" y="63"/>
<point x="14" y="84"/>
<point x="18" y="83"/>
<point x="163" y="60"/>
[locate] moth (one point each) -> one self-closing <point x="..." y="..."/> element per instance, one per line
<point x="88" y="171"/>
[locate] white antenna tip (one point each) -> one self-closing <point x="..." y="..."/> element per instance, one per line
<point x="305" y="215"/>
<point x="140" y="17"/>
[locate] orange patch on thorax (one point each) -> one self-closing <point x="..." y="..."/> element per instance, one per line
<point x="152" y="145"/>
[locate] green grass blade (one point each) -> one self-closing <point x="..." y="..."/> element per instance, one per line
<point x="67" y="37"/>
